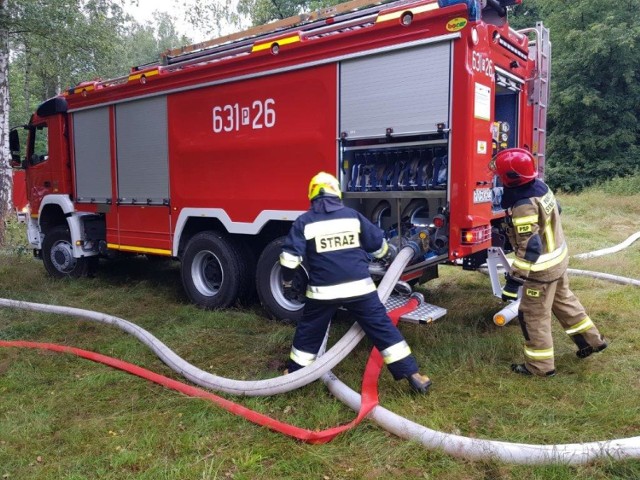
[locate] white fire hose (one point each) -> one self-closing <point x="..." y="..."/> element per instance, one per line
<point x="271" y="386"/>
<point x="509" y="312"/>
<point x="455" y="445"/>
<point x="476" y="449"/>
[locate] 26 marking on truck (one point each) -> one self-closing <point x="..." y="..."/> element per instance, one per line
<point x="229" y="118"/>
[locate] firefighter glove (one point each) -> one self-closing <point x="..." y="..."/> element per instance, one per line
<point x="510" y="289"/>
<point x="288" y="291"/>
<point x="391" y="254"/>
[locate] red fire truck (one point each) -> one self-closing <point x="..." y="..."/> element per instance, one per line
<point x="205" y="156"/>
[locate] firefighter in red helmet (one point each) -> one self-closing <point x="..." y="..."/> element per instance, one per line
<point x="540" y="268"/>
<point x="334" y="240"/>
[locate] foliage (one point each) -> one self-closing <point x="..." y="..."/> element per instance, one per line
<point x="620" y="186"/>
<point x="594" y="126"/>
<point x="213" y="17"/>
<point x="56" y="44"/>
<point x="15" y="238"/>
<point x="84" y="33"/>
<point x="93" y="40"/>
<point x="264" y="11"/>
<point x="65" y="418"/>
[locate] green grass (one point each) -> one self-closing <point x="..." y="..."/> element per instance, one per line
<point x="66" y="418"/>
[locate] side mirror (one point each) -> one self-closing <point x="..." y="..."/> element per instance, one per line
<point x="14" y="141"/>
<point x="14" y="146"/>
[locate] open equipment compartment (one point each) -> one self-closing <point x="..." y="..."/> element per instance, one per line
<point x="394" y="137"/>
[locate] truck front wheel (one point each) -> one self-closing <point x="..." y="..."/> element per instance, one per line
<point x="57" y="255"/>
<point x="269" y="285"/>
<point x="213" y="271"/>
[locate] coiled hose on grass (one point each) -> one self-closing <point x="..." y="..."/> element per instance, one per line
<point x="271" y="386"/>
<point x="477" y="449"/>
<point x="455" y="445"/>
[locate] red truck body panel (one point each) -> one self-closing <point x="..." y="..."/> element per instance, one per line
<point x="235" y="132"/>
<point x="19" y="197"/>
<point x="253" y="167"/>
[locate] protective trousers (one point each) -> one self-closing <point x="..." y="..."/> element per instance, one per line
<point x="372" y="317"/>
<point x="538" y="301"/>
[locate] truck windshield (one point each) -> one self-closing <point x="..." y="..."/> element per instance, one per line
<point x="39" y="145"/>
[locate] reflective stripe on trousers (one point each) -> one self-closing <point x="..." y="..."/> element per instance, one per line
<point x="396" y="352"/>
<point x="370" y="313"/>
<point x="544" y="262"/>
<point x="535" y="354"/>
<point x="302" y="358"/>
<point x="580" y="327"/>
<point x="341" y="290"/>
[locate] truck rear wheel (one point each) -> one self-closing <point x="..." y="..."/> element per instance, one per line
<point x="57" y="255"/>
<point x="269" y="285"/>
<point x="213" y="271"/>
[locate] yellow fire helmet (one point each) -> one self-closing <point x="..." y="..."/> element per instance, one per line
<point x="324" y="184"/>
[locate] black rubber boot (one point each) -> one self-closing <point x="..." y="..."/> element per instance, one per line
<point x="587" y="351"/>
<point x="419" y="383"/>
<point x="521" y="369"/>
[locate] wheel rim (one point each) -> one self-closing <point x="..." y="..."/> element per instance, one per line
<point x="62" y="256"/>
<point x="275" y="284"/>
<point x="207" y="273"/>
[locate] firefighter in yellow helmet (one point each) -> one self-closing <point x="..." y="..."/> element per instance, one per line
<point x="540" y="268"/>
<point x="334" y="240"/>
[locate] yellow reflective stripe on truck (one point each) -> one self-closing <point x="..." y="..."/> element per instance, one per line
<point x="137" y="76"/>
<point x="395" y="15"/>
<point x="280" y="41"/>
<point x="130" y="248"/>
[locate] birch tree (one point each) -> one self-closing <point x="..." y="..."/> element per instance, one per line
<point x="61" y="42"/>
<point x="5" y="168"/>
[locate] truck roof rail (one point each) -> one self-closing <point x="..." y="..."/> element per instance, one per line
<point x="300" y="22"/>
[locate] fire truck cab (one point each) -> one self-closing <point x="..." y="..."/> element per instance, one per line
<point x="205" y="156"/>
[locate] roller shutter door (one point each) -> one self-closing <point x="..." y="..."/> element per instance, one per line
<point x="406" y="90"/>
<point x="92" y="152"/>
<point x="142" y="147"/>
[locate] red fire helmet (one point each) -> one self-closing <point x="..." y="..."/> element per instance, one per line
<point x="514" y="166"/>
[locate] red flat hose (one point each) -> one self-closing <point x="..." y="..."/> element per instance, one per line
<point x="369" y="385"/>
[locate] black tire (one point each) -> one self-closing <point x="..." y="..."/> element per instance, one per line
<point x="247" y="295"/>
<point x="213" y="271"/>
<point x="58" y="259"/>
<point x="269" y="285"/>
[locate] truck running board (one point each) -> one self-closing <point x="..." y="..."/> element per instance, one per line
<point x="425" y="313"/>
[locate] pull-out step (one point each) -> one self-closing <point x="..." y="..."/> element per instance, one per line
<point x="425" y="313"/>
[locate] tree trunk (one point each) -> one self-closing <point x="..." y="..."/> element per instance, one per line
<point x="6" y="183"/>
<point x="27" y="76"/>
